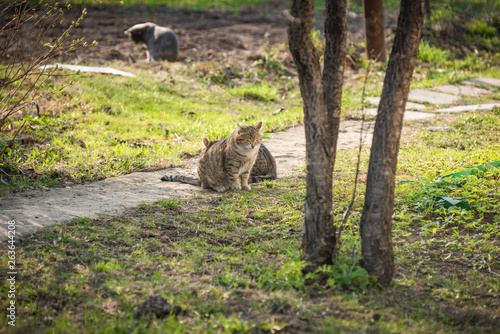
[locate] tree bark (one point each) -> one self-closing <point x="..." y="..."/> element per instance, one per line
<point x="334" y="64"/>
<point x="376" y="220"/>
<point x="322" y="97"/>
<point x="374" y="29"/>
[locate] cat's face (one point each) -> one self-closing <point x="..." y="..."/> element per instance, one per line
<point x="139" y="31"/>
<point x="248" y="137"/>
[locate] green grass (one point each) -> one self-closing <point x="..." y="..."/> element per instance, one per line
<point x="105" y="126"/>
<point x="474" y="6"/>
<point x="231" y="261"/>
<point x="260" y="92"/>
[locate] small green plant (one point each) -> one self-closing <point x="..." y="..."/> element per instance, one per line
<point x="318" y="41"/>
<point x="168" y="204"/>
<point x="269" y="62"/>
<point x="480" y="28"/>
<point x="289" y="276"/>
<point x="261" y="92"/>
<point x="347" y="274"/>
<point x="432" y="55"/>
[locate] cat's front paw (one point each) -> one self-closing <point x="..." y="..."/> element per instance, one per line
<point x="247" y="187"/>
<point x="237" y="188"/>
<point x="220" y="189"/>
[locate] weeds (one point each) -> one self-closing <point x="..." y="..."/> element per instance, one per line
<point x="22" y="77"/>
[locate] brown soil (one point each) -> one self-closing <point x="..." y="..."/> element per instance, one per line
<point x="204" y="35"/>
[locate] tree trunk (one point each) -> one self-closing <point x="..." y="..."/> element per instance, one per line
<point x="376" y="220"/>
<point x="334" y="65"/>
<point x="322" y="97"/>
<point x="427" y="9"/>
<point x="374" y="29"/>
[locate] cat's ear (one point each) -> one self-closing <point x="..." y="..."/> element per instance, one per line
<point x="205" y="142"/>
<point x="220" y="138"/>
<point x="239" y="126"/>
<point x="259" y="125"/>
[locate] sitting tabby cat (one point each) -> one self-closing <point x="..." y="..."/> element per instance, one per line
<point x="233" y="162"/>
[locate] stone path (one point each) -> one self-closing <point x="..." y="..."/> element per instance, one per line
<point x="44" y="207"/>
<point x="444" y="95"/>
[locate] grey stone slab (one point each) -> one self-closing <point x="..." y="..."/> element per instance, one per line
<point x="491" y="82"/>
<point x="409" y="105"/>
<point x="463" y="90"/>
<point x="427" y="96"/>
<point x="409" y="115"/>
<point x="415" y="106"/>
<point x="373" y="100"/>
<point x="472" y="107"/>
<point x="371" y="111"/>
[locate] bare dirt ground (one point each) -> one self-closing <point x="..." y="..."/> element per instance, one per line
<point x="204" y="35"/>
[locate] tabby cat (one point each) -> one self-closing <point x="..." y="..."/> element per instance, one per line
<point x="225" y="163"/>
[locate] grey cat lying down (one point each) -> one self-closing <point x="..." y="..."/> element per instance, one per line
<point x="162" y="42"/>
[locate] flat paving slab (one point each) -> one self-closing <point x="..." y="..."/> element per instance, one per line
<point x="472" y="107"/>
<point x="409" y="115"/>
<point x="463" y="90"/>
<point x="409" y="105"/>
<point x="491" y="82"/>
<point x="427" y="96"/>
<point x="35" y="209"/>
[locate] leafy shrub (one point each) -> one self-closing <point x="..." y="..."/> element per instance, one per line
<point x="289" y="276"/>
<point x="29" y="24"/>
<point x="480" y="28"/>
<point x="347" y="274"/>
<point x="429" y="54"/>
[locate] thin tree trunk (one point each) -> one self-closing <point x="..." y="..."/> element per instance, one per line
<point x="374" y="29"/>
<point x="322" y="100"/>
<point x="335" y="34"/>
<point x="376" y="220"/>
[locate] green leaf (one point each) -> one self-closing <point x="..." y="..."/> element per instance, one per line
<point x="447" y="202"/>
<point x="472" y="170"/>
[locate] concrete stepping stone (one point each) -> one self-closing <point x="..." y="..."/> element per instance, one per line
<point x="495" y="83"/>
<point x="416" y="115"/>
<point x="409" y="105"/>
<point x="472" y="107"/>
<point x="373" y="100"/>
<point x="463" y="90"/>
<point x="427" y="96"/>
<point x="409" y="115"/>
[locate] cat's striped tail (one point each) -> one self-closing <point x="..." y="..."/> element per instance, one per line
<point x="181" y="179"/>
<point x="258" y="178"/>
